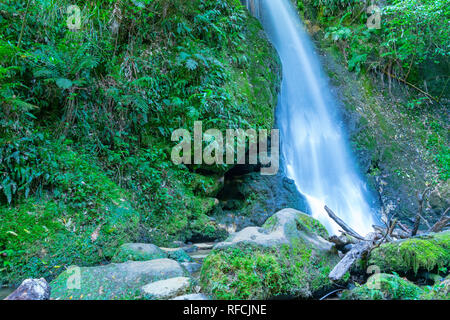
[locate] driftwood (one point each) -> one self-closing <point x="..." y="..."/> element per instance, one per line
<point x="443" y="222"/>
<point x="343" y="243"/>
<point x="363" y="245"/>
<point x="351" y="257"/>
<point x="420" y="198"/>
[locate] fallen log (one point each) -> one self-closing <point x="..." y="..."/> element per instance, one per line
<point x="440" y="225"/>
<point x="351" y="257"/>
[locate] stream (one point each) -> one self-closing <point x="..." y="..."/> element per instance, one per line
<point x="314" y="144"/>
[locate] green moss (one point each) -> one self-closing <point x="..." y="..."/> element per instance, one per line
<point x="309" y="224"/>
<point x="250" y="272"/>
<point x="412" y="255"/>
<point x="384" y="287"/>
<point x="138" y="252"/>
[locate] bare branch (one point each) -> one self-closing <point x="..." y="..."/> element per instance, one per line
<point x="343" y="225"/>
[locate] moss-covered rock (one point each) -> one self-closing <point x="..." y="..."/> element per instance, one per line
<point x="179" y="255"/>
<point x="138" y="252"/>
<point x="113" y="281"/>
<point x="440" y="291"/>
<point x="384" y="286"/>
<point x="285" y="257"/>
<point x="409" y="256"/>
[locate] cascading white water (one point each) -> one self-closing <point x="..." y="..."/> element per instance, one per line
<point x="313" y="143"/>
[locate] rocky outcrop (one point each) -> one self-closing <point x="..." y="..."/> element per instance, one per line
<point x="249" y="198"/>
<point x="287" y="257"/>
<point x="113" y="281"/>
<point x="138" y="252"/>
<point x="31" y="289"/>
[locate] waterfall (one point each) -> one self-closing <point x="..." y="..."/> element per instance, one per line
<point x="313" y="142"/>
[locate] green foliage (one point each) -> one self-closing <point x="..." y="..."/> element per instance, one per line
<point x="413" y="37"/>
<point x="80" y="219"/>
<point x="86" y="119"/>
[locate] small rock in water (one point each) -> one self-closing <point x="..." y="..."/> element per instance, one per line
<point x="167" y="289"/>
<point x="192" y="267"/>
<point x="204" y="246"/>
<point x="138" y="252"/>
<point x="31" y="289"/>
<point x="198" y="296"/>
<point x="199" y="257"/>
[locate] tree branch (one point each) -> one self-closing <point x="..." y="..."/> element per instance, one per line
<point x="343" y="225"/>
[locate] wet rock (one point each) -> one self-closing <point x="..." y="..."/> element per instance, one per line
<point x="280" y="229"/>
<point x="192" y="267"/>
<point x="204" y="246"/>
<point x="138" y="252"/>
<point x="196" y="296"/>
<point x="113" y="281"/>
<point x="167" y="289"/>
<point x="31" y="289"/>
<point x="251" y="198"/>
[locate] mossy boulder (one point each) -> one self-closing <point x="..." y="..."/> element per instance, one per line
<point x="113" y="281"/>
<point x="138" y="252"/>
<point x="440" y="291"/>
<point x="179" y="255"/>
<point x="286" y="257"/>
<point x="384" y="286"/>
<point x="428" y="252"/>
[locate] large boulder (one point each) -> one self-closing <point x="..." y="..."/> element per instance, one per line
<point x="113" y="281"/>
<point x="288" y="256"/>
<point x="429" y="252"/>
<point x="138" y="252"/>
<point x="31" y="289"/>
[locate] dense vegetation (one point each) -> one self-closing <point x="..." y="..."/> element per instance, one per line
<point x="411" y="43"/>
<point x="87" y="115"/>
<point x="86" y="118"/>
